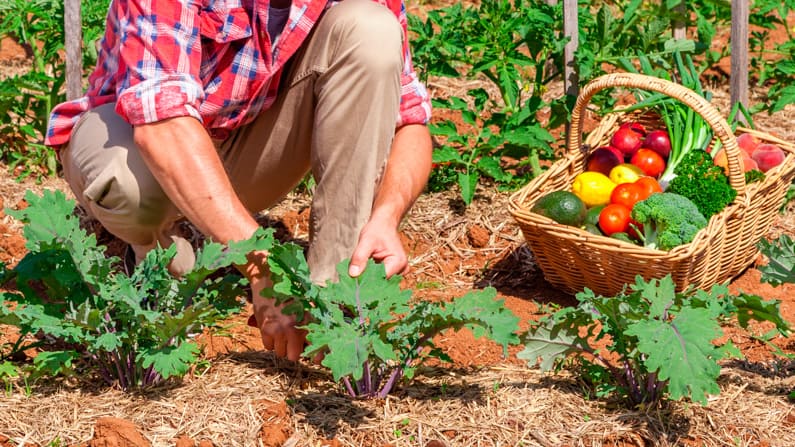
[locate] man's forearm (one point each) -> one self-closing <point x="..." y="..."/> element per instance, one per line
<point x="182" y="158"/>
<point x="406" y="174"/>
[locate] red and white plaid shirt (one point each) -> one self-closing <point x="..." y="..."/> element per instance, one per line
<point x="212" y="60"/>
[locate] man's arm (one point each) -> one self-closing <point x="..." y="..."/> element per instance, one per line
<point x="406" y="174"/>
<point x="192" y="175"/>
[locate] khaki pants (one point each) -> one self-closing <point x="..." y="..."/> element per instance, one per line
<point x="335" y="116"/>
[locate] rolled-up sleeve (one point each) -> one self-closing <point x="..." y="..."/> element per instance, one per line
<point x="160" y="55"/>
<point x="415" y="103"/>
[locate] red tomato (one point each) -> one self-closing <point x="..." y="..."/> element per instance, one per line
<point x="627" y="194"/>
<point x="650" y="162"/>
<point x="648" y="186"/>
<point x="614" y="218"/>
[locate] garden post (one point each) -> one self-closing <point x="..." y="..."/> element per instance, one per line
<point x="739" y="54"/>
<point x="571" y="30"/>
<point x="74" y="57"/>
<point x="679" y="24"/>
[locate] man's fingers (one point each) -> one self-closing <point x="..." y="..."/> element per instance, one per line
<point x="295" y="346"/>
<point x="267" y="341"/>
<point x="318" y="359"/>
<point x="359" y="260"/>
<point x="280" y="346"/>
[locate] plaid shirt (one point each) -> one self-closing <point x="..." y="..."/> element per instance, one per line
<point x="213" y="60"/>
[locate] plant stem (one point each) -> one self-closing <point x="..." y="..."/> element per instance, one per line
<point x="348" y="386"/>
<point x="396" y="374"/>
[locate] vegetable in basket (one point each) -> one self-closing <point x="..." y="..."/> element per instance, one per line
<point x="704" y="183"/>
<point x="668" y="220"/>
<point x="687" y="130"/>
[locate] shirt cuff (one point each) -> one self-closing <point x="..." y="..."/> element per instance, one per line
<point x="158" y="99"/>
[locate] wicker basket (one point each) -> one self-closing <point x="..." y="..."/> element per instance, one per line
<point x="572" y="259"/>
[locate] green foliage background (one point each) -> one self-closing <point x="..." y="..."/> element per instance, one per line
<point x="514" y="45"/>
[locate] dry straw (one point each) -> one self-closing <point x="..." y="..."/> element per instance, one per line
<point x="572" y="259"/>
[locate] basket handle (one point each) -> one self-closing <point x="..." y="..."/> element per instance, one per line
<point x="698" y="103"/>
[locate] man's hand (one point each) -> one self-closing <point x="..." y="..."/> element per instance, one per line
<point x="381" y="242"/>
<point x="278" y="331"/>
<point x="407" y="170"/>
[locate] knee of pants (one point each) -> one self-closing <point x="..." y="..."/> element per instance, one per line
<point x="125" y="201"/>
<point x="371" y="32"/>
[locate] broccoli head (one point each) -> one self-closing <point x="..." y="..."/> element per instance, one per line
<point x="668" y="220"/>
<point x="704" y="183"/>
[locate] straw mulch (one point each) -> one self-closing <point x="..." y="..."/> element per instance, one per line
<point x="232" y="403"/>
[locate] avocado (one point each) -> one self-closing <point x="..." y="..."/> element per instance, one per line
<point x="561" y="206"/>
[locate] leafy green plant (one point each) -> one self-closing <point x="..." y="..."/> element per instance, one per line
<point x="27" y="98"/>
<point x="8" y="372"/>
<point x="369" y="331"/>
<point x="134" y="330"/>
<point x="772" y="64"/>
<point x="780" y="268"/>
<point x="508" y="45"/>
<point x="647" y="343"/>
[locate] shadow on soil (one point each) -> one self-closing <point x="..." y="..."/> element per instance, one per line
<point x="516" y="274"/>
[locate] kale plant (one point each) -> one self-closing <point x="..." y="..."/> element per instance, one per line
<point x="369" y="331"/>
<point x="133" y="330"/>
<point x="648" y="342"/>
<point x="780" y="268"/>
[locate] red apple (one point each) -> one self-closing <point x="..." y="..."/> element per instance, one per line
<point x="747" y="142"/>
<point x="618" y="153"/>
<point x="768" y="156"/>
<point x="637" y="127"/>
<point x="626" y="140"/>
<point x="658" y="141"/>
<point x="603" y="159"/>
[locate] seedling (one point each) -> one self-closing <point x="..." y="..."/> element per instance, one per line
<point x="657" y="343"/>
<point x="133" y="330"/>
<point x="371" y="333"/>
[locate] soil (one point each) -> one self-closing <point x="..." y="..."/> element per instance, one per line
<point x="452" y="250"/>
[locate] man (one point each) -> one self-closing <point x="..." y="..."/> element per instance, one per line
<point x="213" y="110"/>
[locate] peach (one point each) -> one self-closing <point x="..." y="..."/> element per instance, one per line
<point x="748" y="143"/>
<point x="768" y="156"/>
<point x="746" y="162"/>
<point x="720" y="159"/>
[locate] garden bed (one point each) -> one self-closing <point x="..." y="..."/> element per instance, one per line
<point x="244" y="395"/>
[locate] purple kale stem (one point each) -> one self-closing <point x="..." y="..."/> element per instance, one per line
<point x="348" y="386"/>
<point x="632" y="384"/>
<point x="133" y="370"/>
<point x="396" y="374"/>
<point x="153" y="377"/>
<point x="120" y="374"/>
<point x="368" y="383"/>
<point x="377" y="379"/>
<point x="651" y="386"/>
<point x="365" y="384"/>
